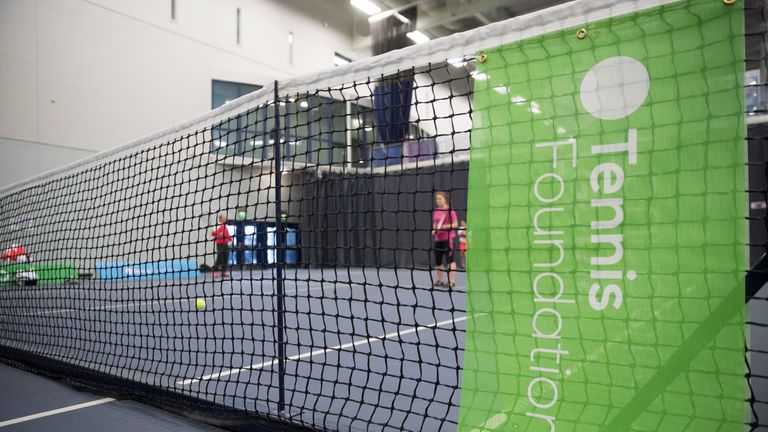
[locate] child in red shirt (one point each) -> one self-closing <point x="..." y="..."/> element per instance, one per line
<point x="463" y="243"/>
<point x="222" y="239"/>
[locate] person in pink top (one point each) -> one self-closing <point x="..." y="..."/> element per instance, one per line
<point x="444" y="222"/>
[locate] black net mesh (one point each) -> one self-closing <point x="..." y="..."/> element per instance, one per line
<point x="756" y="56"/>
<point x="313" y="306"/>
<point x="318" y="299"/>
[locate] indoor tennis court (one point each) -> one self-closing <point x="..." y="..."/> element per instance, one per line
<point x="384" y="215"/>
<point x="328" y="320"/>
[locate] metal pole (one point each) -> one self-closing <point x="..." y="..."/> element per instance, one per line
<point x="279" y="261"/>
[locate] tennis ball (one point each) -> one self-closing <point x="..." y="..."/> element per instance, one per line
<point x="200" y="304"/>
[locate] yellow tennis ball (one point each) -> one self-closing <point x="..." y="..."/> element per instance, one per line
<point x="200" y="304"/>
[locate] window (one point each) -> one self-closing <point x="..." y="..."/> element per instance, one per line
<point x="226" y="91"/>
<point x="361" y="136"/>
<point x="242" y="133"/>
<point x="237" y="36"/>
<point x="315" y="130"/>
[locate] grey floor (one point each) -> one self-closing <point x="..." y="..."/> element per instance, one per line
<point x="24" y="394"/>
<point x="366" y="349"/>
<point x="757" y="332"/>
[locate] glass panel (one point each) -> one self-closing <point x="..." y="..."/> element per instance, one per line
<point x="413" y="131"/>
<point x="339" y="113"/>
<point x="271" y="245"/>
<point x="298" y="148"/>
<point x="239" y="135"/>
<point x="248" y="88"/>
<point x="233" y="246"/>
<point x="328" y="123"/>
<point x="254" y="139"/>
<point x="250" y="242"/>
<point x="302" y="130"/>
<point x="314" y="107"/>
<point x="224" y="92"/>
<point x="224" y="138"/>
<point x="361" y="136"/>
<point x="299" y="134"/>
<point x="265" y="133"/>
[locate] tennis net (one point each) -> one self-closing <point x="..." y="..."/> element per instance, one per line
<point x="319" y="254"/>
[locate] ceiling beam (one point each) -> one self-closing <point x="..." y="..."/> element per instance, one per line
<point x="465" y="10"/>
<point x="482" y="18"/>
<point x="457" y="10"/>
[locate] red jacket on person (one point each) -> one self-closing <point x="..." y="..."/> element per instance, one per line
<point x="221" y="235"/>
<point x="13" y="253"/>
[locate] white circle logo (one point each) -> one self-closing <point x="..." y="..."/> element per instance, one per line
<point x="615" y="88"/>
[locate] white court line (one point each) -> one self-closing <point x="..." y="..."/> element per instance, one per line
<point x="124" y="305"/>
<point x="267" y="364"/>
<point x="54" y="412"/>
<point x="334" y="284"/>
<point x="160" y="302"/>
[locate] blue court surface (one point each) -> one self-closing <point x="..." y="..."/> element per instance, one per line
<point x="373" y="349"/>
<point x="31" y="403"/>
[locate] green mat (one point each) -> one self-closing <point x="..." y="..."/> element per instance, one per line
<point x="47" y="273"/>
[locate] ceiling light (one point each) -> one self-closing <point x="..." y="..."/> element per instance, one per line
<point x="304" y="104"/>
<point x="480" y="76"/>
<point x="457" y="62"/>
<point x="501" y="89"/>
<point x="366" y="6"/>
<point x="417" y="36"/>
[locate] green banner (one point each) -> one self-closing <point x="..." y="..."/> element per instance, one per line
<point x="606" y="206"/>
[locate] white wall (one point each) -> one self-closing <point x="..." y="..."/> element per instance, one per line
<point x="87" y="75"/>
<point x="23" y="159"/>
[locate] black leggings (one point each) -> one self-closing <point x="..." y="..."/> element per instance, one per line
<point x="222" y="257"/>
<point x="443" y="252"/>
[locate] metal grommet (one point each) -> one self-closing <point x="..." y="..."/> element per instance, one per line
<point x="582" y="33"/>
<point x="482" y="58"/>
<point x="729" y="2"/>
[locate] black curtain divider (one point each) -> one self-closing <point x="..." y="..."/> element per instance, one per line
<point x="392" y="108"/>
<point x="374" y="219"/>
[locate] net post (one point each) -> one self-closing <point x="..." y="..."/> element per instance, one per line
<point x="279" y="259"/>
